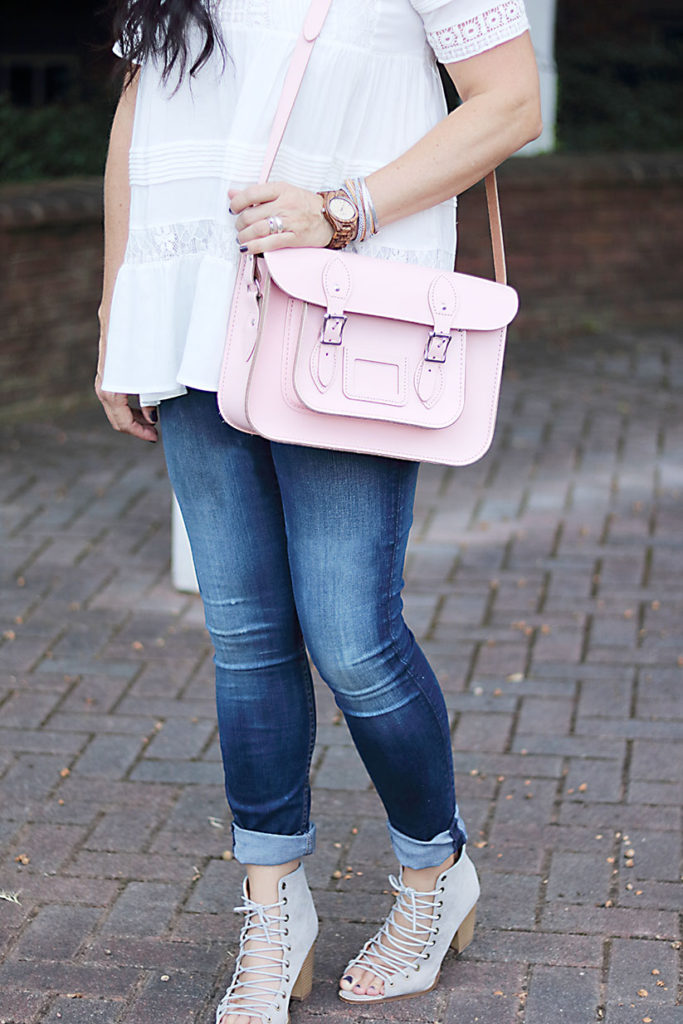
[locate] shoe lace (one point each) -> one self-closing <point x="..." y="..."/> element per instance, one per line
<point x="255" y="998"/>
<point x="396" y="951"/>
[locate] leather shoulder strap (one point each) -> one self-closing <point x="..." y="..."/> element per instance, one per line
<point x="496" y="228"/>
<point x="315" y="19"/>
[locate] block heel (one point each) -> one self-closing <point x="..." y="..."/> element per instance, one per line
<point x="304" y="983"/>
<point x="465" y="932"/>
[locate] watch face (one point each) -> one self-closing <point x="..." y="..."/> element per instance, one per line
<point x="342" y="209"/>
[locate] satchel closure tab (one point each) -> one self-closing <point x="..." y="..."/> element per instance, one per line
<point x="337" y="287"/>
<point x="442" y="303"/>
<point x="333" y="329"/>
<point x="436" y="348"/>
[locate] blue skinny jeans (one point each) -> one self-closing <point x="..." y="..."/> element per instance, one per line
<point x="302" y="549"/>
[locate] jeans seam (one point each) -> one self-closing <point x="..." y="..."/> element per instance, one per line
<point x="310" y="693"/>
<point x="312" y="722"/>
<point x="390" y="630"/>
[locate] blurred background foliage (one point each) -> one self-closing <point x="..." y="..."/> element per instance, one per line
<point x="620" y="84"/>
<point x="619" y="95"/>
<point x="58" y="140"/>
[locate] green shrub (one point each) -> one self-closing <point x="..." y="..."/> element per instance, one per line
<point x="54" y="141"/>
<point x="620" y="96"/>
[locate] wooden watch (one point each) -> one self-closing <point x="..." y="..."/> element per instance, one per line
<point x="342" y="215"/>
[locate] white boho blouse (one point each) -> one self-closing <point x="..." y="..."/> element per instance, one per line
<point x="371" y="90"/>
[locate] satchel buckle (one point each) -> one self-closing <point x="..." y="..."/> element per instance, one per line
<point x="333" y="328"/>
<point x="437" y="347"/>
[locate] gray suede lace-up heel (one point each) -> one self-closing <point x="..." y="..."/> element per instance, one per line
<point x="408" y="959"/>
<point x="282" y="972"/>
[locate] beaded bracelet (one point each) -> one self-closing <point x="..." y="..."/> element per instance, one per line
<point x="358" y="192"/>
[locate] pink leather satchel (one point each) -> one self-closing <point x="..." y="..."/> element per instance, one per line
<point x="336" y="350"/>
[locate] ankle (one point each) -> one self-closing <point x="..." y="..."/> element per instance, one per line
<point x="265" y="878"/>
<point x="424" y="879"/>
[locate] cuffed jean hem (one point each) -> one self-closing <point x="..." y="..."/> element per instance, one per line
<point x="269" y="849"/>
<point x="419" y="853"/>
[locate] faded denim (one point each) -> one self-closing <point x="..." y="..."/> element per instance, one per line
<point x="299" y="548"/>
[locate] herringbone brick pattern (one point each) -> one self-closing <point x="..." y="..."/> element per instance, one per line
<point x="546" y="583"/>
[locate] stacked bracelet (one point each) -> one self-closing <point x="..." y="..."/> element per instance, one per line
<point x="350" y="212"/>
<point x="358" y="192"/>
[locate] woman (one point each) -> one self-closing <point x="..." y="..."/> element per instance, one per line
<point x="278" y="532"/>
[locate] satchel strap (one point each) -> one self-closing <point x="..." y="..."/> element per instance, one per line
<point x="315" y="19"/>
<point x="496" y="228"/>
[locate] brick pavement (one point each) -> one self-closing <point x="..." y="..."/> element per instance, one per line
<point x="546" y="583"/>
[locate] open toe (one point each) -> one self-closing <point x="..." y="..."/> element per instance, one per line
<point x="404" y="957"/>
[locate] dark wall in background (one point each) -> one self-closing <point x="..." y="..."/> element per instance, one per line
<point x="647" y="20"/>
<point x="53" y="51"/>
<point x="41" y="25"/>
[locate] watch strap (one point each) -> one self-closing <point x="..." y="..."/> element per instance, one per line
<point x="344" y="231"/>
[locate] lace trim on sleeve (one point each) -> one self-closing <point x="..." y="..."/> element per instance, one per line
<point x="481" y="32"/>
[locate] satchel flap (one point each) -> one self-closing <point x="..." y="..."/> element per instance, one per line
<point x="399" y="291"/>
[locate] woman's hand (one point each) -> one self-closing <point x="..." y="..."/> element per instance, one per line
<point x="137" y="422"/>
<point x="299" y="210"/>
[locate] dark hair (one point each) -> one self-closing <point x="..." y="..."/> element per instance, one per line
<point x="158" y="28"/>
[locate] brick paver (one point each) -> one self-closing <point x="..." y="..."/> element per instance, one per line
<point x="546" y="584"/>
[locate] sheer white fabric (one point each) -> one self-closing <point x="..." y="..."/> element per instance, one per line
<point x="371" y="90"/>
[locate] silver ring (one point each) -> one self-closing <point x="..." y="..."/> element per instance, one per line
<point x="275" y="225"/>
<point x="272" y="226"/>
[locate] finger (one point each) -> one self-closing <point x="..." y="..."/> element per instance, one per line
<point x="141" y="428"/>
<point x="252" y="195"/>
<point x="131" y="424"/>
<point x="261" y="228"/>
<point x="123" y="418"/>
<point x="280" y="240"/>
<point x="150" y="413"/>
<point x="255" y="214"/>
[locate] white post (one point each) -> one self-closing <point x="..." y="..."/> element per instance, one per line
<point x="182" y="566"/>
<point x="542" y="21"/>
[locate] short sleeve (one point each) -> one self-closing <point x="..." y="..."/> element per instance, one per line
<point x="458" y="29"/>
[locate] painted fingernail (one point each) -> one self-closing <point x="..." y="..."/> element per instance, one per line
<point x="154" y="415"/>
<point x="230" y="210"/>
<point x="243" y="248"/>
